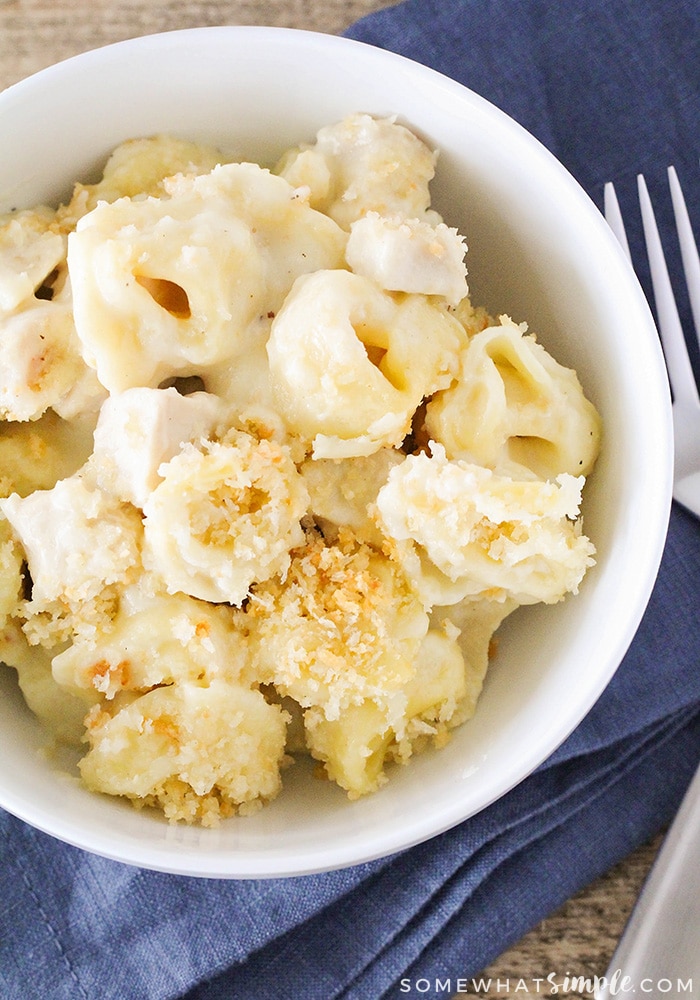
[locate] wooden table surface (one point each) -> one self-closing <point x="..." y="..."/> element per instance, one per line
<point x="580" y="938"/>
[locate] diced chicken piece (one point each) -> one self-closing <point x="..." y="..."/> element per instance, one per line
<point x="409" y="255"/>
<point x="140" y="429"/>
<point x="77" y="540"/>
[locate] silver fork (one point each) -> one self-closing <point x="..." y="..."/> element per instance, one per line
<point x="686" y="401"/>
<point x="660" y="943"/>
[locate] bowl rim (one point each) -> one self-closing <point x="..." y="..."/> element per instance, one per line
<point x="161" y="856"/>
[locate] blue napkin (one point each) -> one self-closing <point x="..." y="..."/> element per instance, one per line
<point x="611" y="87"/>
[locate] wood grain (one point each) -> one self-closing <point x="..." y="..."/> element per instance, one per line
<point x="36" y="33"/>
<point x="580" y="938"/>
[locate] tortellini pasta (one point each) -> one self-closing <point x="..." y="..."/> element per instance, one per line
<point x="356" y="746"/>
<point x="31" y="249"/>
<point x="61" y="710"/>
<point x="139" y="167"/>
<point x="154" y="640"/>
<point x="502" y="538"/>
<point x="35" y="454"/>
<point x="81" y="545"/>
<point x="41" y="365"/>
<point x="514" y="404"/>
<point x="76" y="538"/>
<point x="365" y="164"/>
<point x="270" y="481"/>
<point x="225" y="516"/>
<point x="344" y="625"/>
<point x="342" y="493"/>
<point x="350" y="364"/>
<point x="11" y="576"/>
<point x="172" y="285"/>
<point x="197" y="752"/>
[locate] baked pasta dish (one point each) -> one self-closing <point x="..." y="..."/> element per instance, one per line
<point x="269" y="480"/>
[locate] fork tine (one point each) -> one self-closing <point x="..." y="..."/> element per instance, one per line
<point x="679" y="369"/>
<point x="613" y="217"/>
<point x="689" y="249"/>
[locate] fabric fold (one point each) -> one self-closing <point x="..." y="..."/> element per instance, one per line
<point x="401" y="913"/>
<point x="610" y="89"/>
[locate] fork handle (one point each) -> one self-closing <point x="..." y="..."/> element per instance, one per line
<point x="660" y="943"/>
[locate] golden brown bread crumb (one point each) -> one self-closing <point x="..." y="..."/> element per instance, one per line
<point x="259" y="553"/>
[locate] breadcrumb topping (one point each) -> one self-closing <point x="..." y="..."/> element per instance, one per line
<point x="270" y="480"/>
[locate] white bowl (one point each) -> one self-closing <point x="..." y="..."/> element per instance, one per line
<point x="538" y="249"/>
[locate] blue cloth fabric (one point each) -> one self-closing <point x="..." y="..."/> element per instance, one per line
<point x="611" y="87"/>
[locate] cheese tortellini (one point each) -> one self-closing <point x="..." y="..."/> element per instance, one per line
<point x="224" y="517"/>
<point x="41" y="364"/>
<point x="526" y="409"/>
<point x="350" y="364"/>
<point x="269" y="480"/>
<point x="198" y="752"/>
<point x="364" y="164"/>
<point x="505" y="537"/>
<point x="172" y="285"/>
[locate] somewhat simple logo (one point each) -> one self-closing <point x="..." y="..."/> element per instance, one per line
<point x="551" y="985"/>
